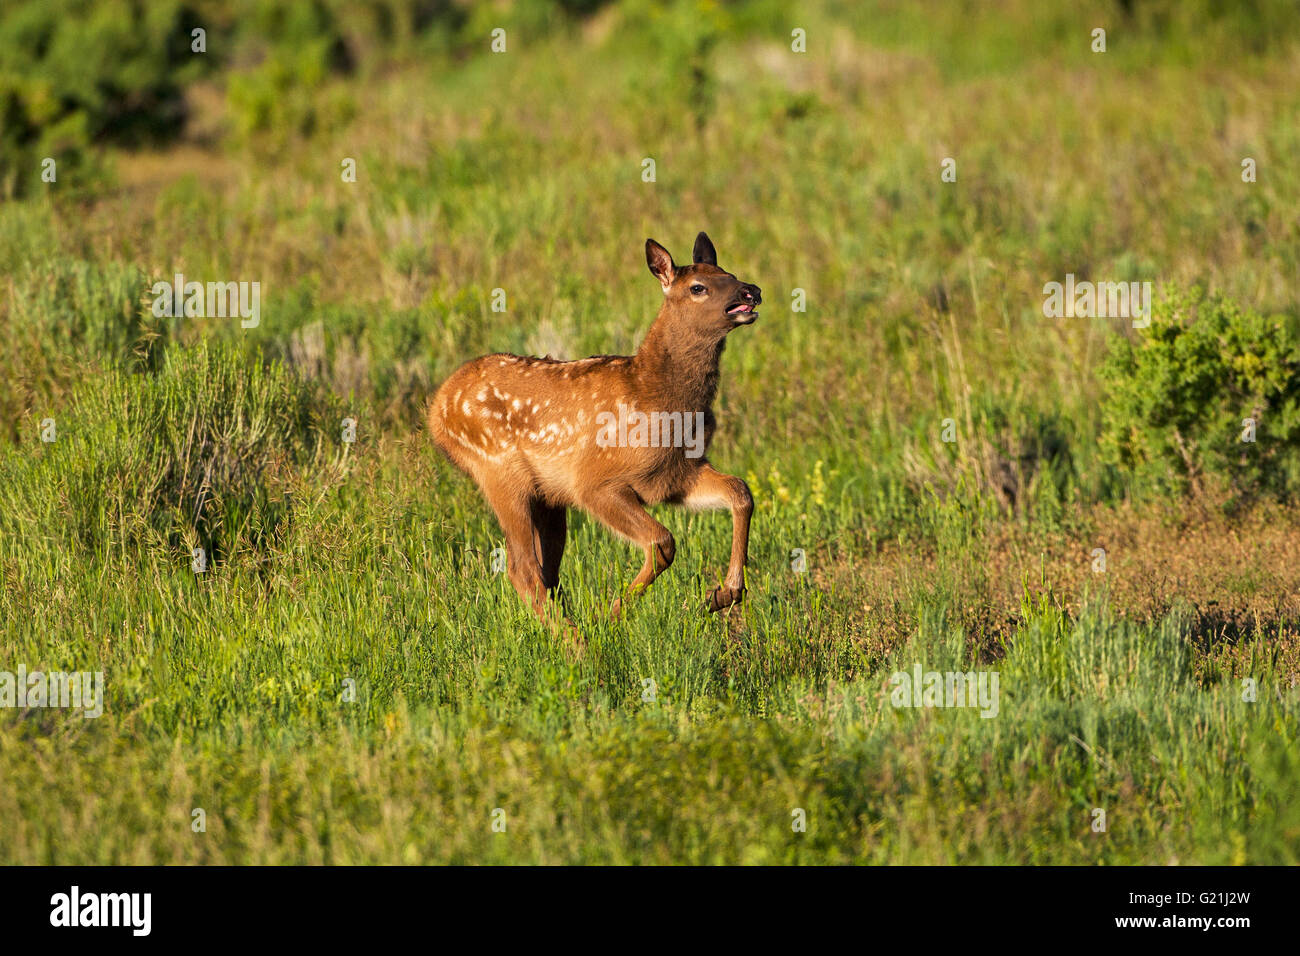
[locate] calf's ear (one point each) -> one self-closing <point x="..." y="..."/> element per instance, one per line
<point x="660" y="263"/>
<point x="704" y="251"/>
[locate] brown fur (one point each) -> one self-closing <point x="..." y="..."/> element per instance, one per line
<point x="525" y="430"/>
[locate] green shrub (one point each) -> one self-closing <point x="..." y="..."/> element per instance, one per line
<point x="1181" y="395"/>
<point x="205" y="452"/>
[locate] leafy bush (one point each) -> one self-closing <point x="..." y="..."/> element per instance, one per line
<point x="1181" y="396"/>
<point x="204" y="452"/>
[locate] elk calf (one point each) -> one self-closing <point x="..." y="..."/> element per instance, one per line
<point x="609" y="434"/>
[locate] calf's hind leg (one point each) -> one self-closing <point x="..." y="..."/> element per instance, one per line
<point x="624" y="514"/>
<point x="516" y="511"/>
<point x="552" y="531"/>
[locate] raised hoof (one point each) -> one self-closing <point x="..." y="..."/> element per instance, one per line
<point x="723" y="597"/>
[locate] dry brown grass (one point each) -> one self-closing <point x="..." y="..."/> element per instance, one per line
<point x="1237" y="576"/>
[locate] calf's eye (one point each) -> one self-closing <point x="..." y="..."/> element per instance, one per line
<point x="697" y="289"/>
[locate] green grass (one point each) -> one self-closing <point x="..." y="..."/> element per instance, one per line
<point x="233" y="704"/>
<point x="337" y="566"/>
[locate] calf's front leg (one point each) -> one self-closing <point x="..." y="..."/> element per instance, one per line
<point x="713" y="491"/>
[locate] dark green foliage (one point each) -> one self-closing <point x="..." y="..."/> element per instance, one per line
<point x="73" y="72"/>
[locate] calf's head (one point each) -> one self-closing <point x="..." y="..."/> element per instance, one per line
<point x="702" y="298"/>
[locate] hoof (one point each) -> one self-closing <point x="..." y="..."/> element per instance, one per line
<point x="723" y="597"/>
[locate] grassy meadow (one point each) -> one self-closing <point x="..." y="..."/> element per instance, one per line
<point x="348" y="680"/>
